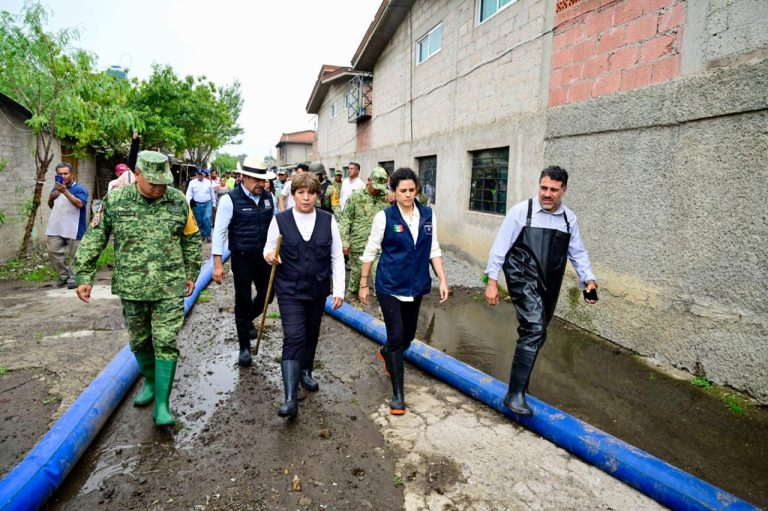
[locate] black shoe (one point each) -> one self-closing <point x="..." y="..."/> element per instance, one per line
<point x="291" y="370"/>
<point x="518" y="381"/>
<point x="72" y="285"/>
<point x="306" y="381"/>
<point x="252" y="333"/>
<point x="244" y="359"/>
<point x="61" y="282"/>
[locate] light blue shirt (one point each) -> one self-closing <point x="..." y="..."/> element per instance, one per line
<point x="224" y="216"/>
<point x="515" y="221"/>
<point x="201" y="191"/>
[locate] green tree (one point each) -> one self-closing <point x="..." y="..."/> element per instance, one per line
<point x="43" y="72"/>
<point x="224" y="162"/>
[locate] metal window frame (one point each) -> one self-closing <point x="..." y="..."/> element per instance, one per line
<point x="479" y="10"/>
<point x="426" y="37"/>
<point x="493" y="205"/>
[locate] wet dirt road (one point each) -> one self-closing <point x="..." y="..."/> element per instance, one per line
<point x="231" y="451"/>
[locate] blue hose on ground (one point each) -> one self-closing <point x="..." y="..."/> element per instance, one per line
<point x="40" y="473"/>
<point x="659" y="480"/>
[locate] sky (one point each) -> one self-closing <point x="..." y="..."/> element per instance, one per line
<point x="274" y="49"/>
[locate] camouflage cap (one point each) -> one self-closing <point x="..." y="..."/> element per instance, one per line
<point x="154" y="167"/>
<point x="379" y="179"/>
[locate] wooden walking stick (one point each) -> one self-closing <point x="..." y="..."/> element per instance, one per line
<point x="269" y="293"/>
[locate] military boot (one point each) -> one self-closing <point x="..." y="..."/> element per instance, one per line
<point x="244" y="340"/>
<point x="291" y="370"/>
<point x="518" y="381"/>
<point x="146" y="361"/>
<point x="164" y="373"/>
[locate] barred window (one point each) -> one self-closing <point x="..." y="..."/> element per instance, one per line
<point x="488" y="192"/>
<point x="389" y="166"/>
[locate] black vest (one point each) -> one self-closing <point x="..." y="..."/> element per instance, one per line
<point x="305" y="272"/>
<point x="250" y="222"/>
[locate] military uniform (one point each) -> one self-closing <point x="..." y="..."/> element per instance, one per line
<point x="333" y="197"/>
<point x="355" y="225"/>
<point x="157" y="249"/>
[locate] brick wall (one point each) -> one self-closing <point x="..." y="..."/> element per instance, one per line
<point x="605" y="46"/>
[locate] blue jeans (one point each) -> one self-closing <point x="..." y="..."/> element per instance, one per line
<point x="203" y="213"/>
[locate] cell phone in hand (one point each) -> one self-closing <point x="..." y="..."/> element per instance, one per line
<point x="592" y="295"/>
<point x="59" y="179"/>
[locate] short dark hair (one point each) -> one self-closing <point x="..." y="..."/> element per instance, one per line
<point x="357" y="165"/>
<point x="555" y="173"/>
<point x="303" y="166"/>
<point x="403" y="174"/>
<point x="64" y="165"/>
<point x="306" y="181"/>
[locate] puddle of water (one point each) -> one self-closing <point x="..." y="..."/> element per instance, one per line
<point x="108" y="464"/>
<point x="202" y="392"/>
<point x="612" y="389"/>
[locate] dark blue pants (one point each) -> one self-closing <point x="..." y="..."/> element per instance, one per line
<point x="203" y="212"/>
<point x="400" y="318"/>
<point x="301" y="328"/>
<point x="249" y="268"/>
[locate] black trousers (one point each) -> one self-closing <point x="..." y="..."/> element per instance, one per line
<point x="249" y="268"/>
<point x="301" y="328"/>
<point x="400" y="319"/>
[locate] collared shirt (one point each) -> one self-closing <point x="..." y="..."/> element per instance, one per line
<point x="305" y="222"/>
<point x="286" y="193"/>
<point x="224" y="216"/>
<point x="373" y="247"/>
<point x="347" y="187"/>
<point x="515" y="221"/>
<point x="201" y="191"/>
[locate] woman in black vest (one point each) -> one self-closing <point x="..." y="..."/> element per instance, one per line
<point x="310" y="255"/>
<point x="406" y="234"/>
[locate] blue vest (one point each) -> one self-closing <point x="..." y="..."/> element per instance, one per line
<point x="305" y="272"/>
<point x="403" y="268"/>
<point x="250" y="222"/>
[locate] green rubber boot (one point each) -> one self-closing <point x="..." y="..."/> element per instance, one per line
<point x="164" y="372"/>
<point x="146" y="360"/>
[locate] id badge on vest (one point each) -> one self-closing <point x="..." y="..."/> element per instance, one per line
<point x="428" y="228"/>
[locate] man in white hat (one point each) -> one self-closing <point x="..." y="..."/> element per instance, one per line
<point x="243" y="216"/>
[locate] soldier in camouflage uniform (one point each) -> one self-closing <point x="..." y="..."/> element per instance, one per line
<point x="333" y="195"/>
<point x="157" y="258"/>
<point x="356" y="221"/>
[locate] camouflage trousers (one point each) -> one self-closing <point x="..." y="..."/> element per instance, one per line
<point x="355" y="272"/>
<point x="154" y="325"/>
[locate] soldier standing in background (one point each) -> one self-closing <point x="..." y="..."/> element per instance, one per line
<point x="157" y="258"/>
<point x="333" y="195"/>
<point x="356" y="220"/>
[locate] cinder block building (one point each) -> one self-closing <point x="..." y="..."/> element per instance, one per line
<point x="657" y="108"/>
<point x="17" y="177"/>
<point x="295" y="147"/>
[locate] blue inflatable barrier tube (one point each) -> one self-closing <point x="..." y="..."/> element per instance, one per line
<point x="664" y="483"/>
<point x="40" y="473"/>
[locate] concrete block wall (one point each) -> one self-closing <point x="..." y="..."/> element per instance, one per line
<point x="17" y="147"/>
<point x="603" y="47"/>
<point x="335" y="135"/>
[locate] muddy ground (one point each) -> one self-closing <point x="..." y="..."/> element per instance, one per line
<point x="231" y="450"/>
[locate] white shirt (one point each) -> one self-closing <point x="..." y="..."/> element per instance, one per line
<point x="201" y="191"/>
<point x="64" y="220"/>
<point x="347" y="187"/>
<point x="125" y="178"/>
<point x="373" y="246"/>
<point x="306" y="225"/>
<point x="224" y="217"/>
<point x="286" y="192"/>
<point x="540" y="217"/>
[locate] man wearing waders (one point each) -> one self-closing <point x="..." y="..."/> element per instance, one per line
<point x="531" y="247"/>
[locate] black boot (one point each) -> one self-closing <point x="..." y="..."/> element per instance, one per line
<point x="252" y="333"/>
<point x="306" y="380"/>
<point x="244" y="359"/>
<point x="518" y="381"/>
<point x="393" y="362"/>
<point x="291" y="370"/>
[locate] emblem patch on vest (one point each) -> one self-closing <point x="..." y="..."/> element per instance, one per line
<point x="398" y="228"/>
<point x="428" y="229"/>
<point x="267" y="204"/>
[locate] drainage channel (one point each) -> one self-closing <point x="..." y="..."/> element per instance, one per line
<point x="614" y="390"/>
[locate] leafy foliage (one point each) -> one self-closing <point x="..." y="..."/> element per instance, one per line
<point x="224" y="162"/>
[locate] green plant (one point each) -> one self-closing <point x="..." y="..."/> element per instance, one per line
<point x="3" y="370"/>
<point x="3" y="163"/>
<point x="733" y="403"/>
<point x="273" y="315"/>
<point x="700" y="381"/>
<point x="652" y="376"/>
<point x="397" y="481"/>
<point x="318" y="364"/>
<point x="40" y="274"/>
<point x="52" y="400"/>
<point x="204" y="296"/>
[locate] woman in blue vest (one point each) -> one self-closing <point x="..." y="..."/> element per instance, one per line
<point x="310" y="255"/>
<point x="406" y="235"/>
